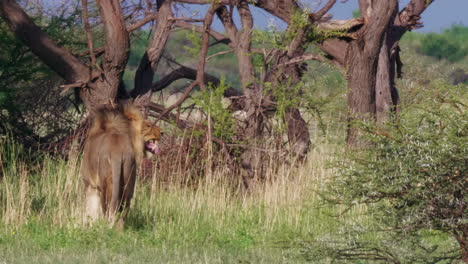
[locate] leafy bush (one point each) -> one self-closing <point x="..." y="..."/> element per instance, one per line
<point x="33" y="108"/>
<point x="413" y="177"/>
<point x="211" y="102"/>
<point x="450" y="45"/>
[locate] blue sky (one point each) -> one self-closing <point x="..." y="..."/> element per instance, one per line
<point x="440" y="14"/>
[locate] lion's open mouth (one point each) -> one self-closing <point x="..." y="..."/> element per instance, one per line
<point x="152" y="147"/>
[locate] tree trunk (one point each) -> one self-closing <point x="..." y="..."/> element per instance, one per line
<point x="97" y="88"/>
<point x="298" y="133"/>
<point x="150" y="60"/>
<point x="362" y="62"/>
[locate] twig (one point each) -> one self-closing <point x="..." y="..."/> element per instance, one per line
<point x="142" y="22"/>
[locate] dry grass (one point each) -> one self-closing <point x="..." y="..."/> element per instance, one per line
<point x="51" y="190"/>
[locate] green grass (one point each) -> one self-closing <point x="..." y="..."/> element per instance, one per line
<point x="41" y="212"/>
<point x="283" y="220"/>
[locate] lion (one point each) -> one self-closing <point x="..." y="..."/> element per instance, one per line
<point x="117" y="141"/>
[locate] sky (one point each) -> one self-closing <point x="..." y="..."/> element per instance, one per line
<point x="441" y="14"/>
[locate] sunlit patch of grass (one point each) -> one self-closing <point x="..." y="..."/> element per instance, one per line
<point x="42" y="212"/>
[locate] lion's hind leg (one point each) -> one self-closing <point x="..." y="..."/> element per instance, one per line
<point x="93" y="204"/>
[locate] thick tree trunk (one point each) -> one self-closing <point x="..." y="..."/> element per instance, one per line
<point x="117" y="47"/>
<point x="361" y="93"/>
<point x="387" y="97"/>
<point x="362" y="63"/>
<point x="384" y="84"/>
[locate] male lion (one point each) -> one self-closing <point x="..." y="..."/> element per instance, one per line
<point x="114" y="149"/>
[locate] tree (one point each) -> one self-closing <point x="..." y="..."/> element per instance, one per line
<point x="414" y="177"/>
<point x="98" y="76"/>
<point x="354" y="44"/>
<point x="372" y="59"/>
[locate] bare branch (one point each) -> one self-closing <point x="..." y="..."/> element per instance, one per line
<point x="243" y="44"/>
<point x="280" y="8"/>
<point x="204" y="48"/>
<point x="156" y="111"/>
<point x="204" y="2"/>
<point x="409" y="17"/>
<point x="305" y="57"/>
<point x="200" y="76"/>
<point x="150" y="60"/>
<point x="142" y="22"/>
<point x="192" y="20"/>
<point x="318" y="15"/>
<point x="97" y="52"/>
<point x="184" y="72"/>
<point x="225" y="16"/>
<point x="181" y="99"/>
<point x="219" y="54"/>
<point x="216" y="35"/>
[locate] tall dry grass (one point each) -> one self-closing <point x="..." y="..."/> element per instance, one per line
<point x="34" y="186"/>
<point x="40" y="188"/>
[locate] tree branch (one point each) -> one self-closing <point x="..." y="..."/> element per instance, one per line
<point x="243" y="44"/>
<point x="216" y="35"/>
<point x="142" y="22"/>
<point x="200" y="75"/>
<point x="57" y="58"/>
<point x="319" y="14"/>
<point x="204" y="2"/>
<point x="156" y="111"/>
<point x="225" y="16"/>
<point x="150" y="60"/>
<point x="280" y="8"/>
<point x="204" y="46"/>
<point x="89" y="36"/>
<point x="184" y="72"/>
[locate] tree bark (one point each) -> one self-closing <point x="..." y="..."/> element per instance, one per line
<point x="150" y="60"/>
<point x="117" y="47"/>
<point x="387" y="97"/>
<point x="362" y="62"/>
<point x="97" y="88"/>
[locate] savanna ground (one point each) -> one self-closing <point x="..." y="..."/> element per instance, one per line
<point x="284" y="219"/>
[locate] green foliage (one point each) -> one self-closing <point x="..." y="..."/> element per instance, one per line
<point x="286" y="96"/>
<point x="319" y="35"/>
<point x="42" y="205"/>
<point x="194" y="47"/>
<point x="139" y="45"/>
<point x="357" y="243"/>
<point x="268" y="38"/>
<point x="211" y="101"/>
<point x="356" y="13"/>
<point x="26" y="83"/>
<point x="413" y="177"/>
<point x="451" y="44"/>
<point x="299" y="20"/>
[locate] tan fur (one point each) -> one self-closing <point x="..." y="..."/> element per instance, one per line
<point x="113" y="151"/>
